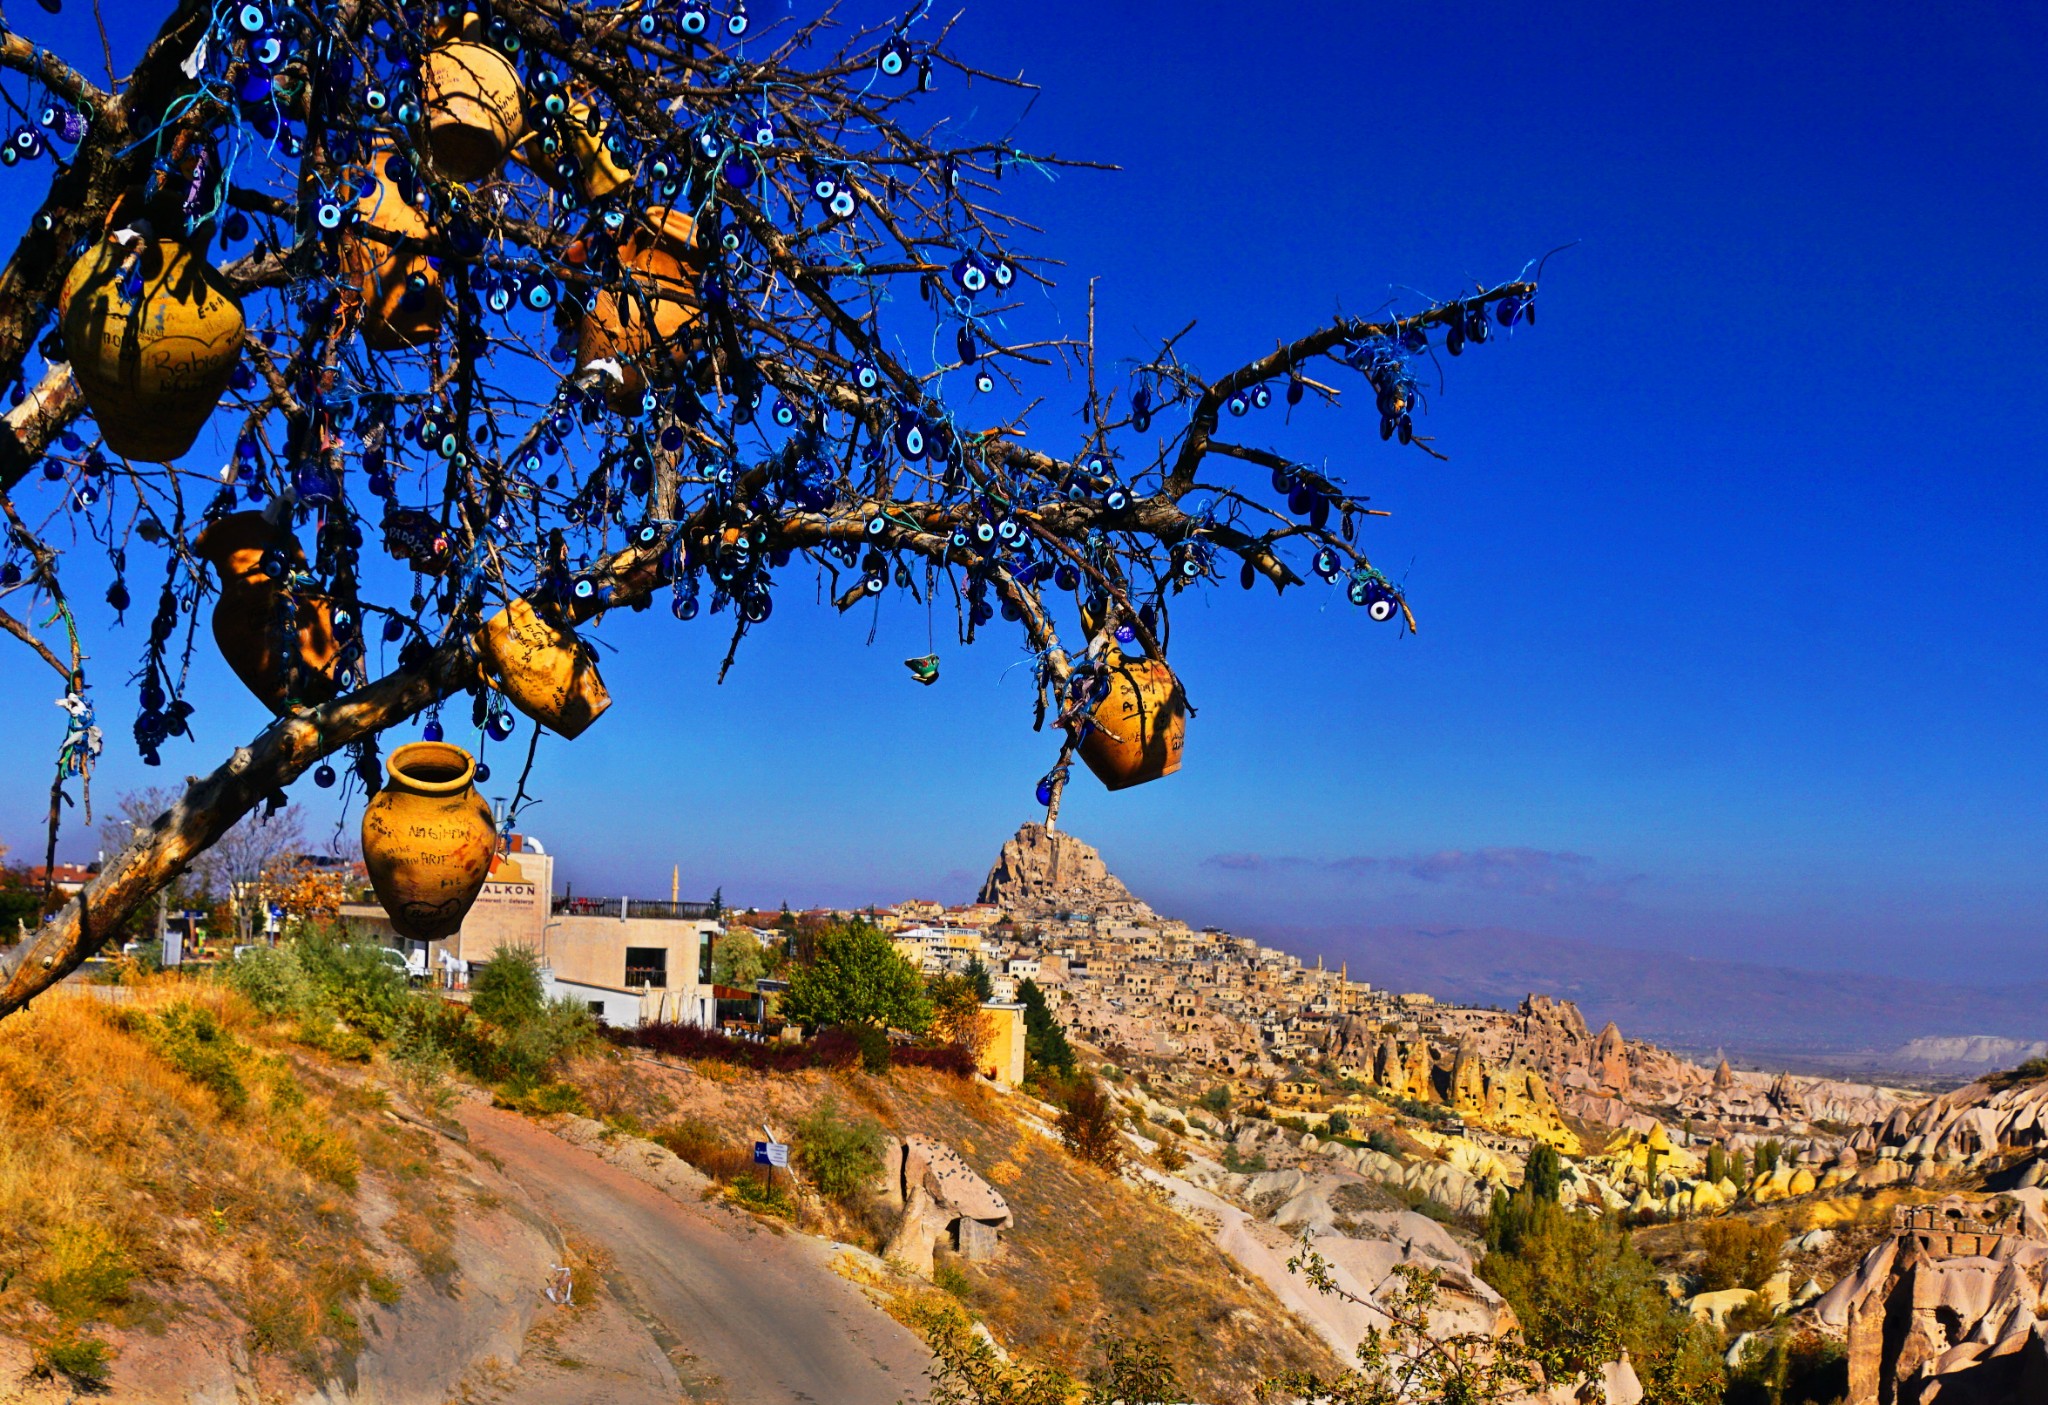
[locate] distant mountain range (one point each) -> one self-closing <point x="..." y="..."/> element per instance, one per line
<point x="1836" y="1019"/>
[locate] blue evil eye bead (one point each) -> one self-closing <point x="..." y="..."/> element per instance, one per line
<point x="736" y="21"/>
<point x="875" y="584"/>
<point x="1296" y="388"/>
<point x="376" y="100"/>
<point x="910" y="440"/>
<point x="739" y="170"/>
<point x="960" y="539"/>
<point x="499" y="727"/>
<point x="1008" y="530"/>
<point x="984" y="382"/>
<point x="1141" y="409"/>
<point x="1238" y="404"/>
<point x="1126" y="635"/>
<point x="1095" y="465"/>
<point x="1116" y="499"/>
<point x="1044" y="792"/>
<point x="865" y="374"/>
<point x="1383" y="606"/>
<point x="876" y="525"/>
<point x="500" y="298"/>
<point x="764" y="132"/>
<point x="483" y="773"/>
<point x="968" y="275"/>
<point x="842" y="204"/>
<point x="1066" y="577"/>
<point x="984" y="532"/>
<point x="756" y="608"/>
<point x="1326" y="564"/>
<point x="329" y="215"/>
<point x="895" y="57"/>
<point x="1262" y="396"/>
<point x="1507" y="310"/>
<point x="684" y="607"/>
<point x="324" y="776"/>
<point x="823" y="189"/>
<point x="85" y="497"/>
<point x="268" y="50"/>
<point x="432" y="731"/>
<point x="695" y="19"/>
<point x="785" y="413"/>
<point x="394" y="630"/>
<point x="1003" y="274"/>
<point x="963" y="342"/>
<point x="1359" y="591"/>
<point x="252" y="19"/>
<point x="539" y="294"/>
<point x="649" y="24"/>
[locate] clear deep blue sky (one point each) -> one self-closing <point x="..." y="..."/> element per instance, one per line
<point x="1731" y="596"/>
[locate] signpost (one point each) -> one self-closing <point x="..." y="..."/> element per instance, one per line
<point x="773" y="1154"/>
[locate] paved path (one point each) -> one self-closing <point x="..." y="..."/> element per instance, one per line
<point x="758" y="1318"/>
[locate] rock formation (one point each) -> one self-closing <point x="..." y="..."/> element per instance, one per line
<point x="940" y="1197"/>
<point x="1045" y="872"/>
<point x="1967" y="1125"/>
<point x="1947" y="1308"/>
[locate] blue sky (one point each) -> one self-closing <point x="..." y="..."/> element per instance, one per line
<point x="1733" y="595"/>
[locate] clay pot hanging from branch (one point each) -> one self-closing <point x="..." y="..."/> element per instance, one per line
<point x="279" y="641"/>
<point x="1135" y="732"/>
<point x="398" y="289"/>
<point x="650" y="309"/>
<point x="153" y="334"/>
<point x="475" y="108"/>
<point x="543" y="670"/>
<point x="428" y="840"/>
<point x="572" y="155"/>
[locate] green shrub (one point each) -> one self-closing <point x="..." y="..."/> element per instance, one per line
<point x="319" y="1031"/>
<point x="84" y="1273"/>
<point x="1217" y="1100"/>
<point x="763" y="1194"/>
<point x="85" y="1361"/>
<point x="1337" y="1124"/>
<point x="356" y="981"/>
<point x="1739" y="1254"/>
<point x="533" y="1047"/>
<point x="842" y="1158"/>
<point x="191" y="1040"/>
<point x="1382" y="1141"/>
<point x="1242" y="1165"/>
<point x="544" y="1099"/>
<point x="270" y="978"/>
<point x="873" y="1044"/>
<point x="506" y="990"/>
<point x="949" y="1279"/>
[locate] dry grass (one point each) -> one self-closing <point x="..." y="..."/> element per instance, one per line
<point x="1092" y="1256"/>
<point x="166" y="1154"/>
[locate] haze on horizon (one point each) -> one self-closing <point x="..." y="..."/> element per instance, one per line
<point x="1731" y="594"/>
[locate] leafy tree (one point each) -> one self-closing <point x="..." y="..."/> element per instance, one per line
<point x="1089" y="1124"/>
<point x="978" y="977"/>
<point x="1580" y="1290"/>
<point x="1717" y="1162"/>
<point x="738" y="959"/>
<point x="1045" y="1038"/>
<point x="1767" y="1156"/>
<point x="1543" y="1176"/>
<point x="1337" y="1124"/>
<point x="1740" y="1254"/>
<point x="856" y="976"/>
<point x="1217" y="1099"/>
<point x="957" y="1016"/>
<point x="740" y="321"/>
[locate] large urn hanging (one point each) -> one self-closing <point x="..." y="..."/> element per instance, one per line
<point x="428" y="840"/>
<point x="653" y="309"/>
<point x="399" y="288"/>
<point x="279" y="642"/>
<point x="153" y="333"/>
<point x="574" y="155"/>
<point x="1138" y="728"/>
<point x="543" y="669"/>
<point x="475" y="108"/>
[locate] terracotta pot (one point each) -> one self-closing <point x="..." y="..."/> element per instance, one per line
<point x="395" y="315"/>
<point x="428" y="840"/>
<point x="245" y="620"/>
<point x="1139" y="727"/>
<point x="151" y="369"/>
<point x="544" y="671"/>
<point x="475" y="108"/>
<point x="657" y="260"/>
<point x="598" y="172"/>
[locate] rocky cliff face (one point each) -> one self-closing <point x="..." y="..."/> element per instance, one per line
<point x="1043" y="872"/>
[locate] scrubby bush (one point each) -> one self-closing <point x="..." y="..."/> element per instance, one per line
<point x="841" y="1157"/>
<point x="1382" y="1141"/>
<point x="1088" y="1124"/>
<point x="354" y="981"/>
<point x="271" y="978"/>
<point x="506" y="990"/>
<point x="946" y="1058"/>
<point x="1739" y="1254"/>
<point x="82" y="1359"/>
<point x="1217" y="1100"/>
<point x="192" y="1041"/>
<point x="1790" y="1367"/>
<point x="1336" y="1124"/>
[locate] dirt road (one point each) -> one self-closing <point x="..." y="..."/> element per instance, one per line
<point x="750" y="1317"/>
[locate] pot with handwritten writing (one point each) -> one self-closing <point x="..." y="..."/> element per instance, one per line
<point x="649" y="310"/>
<point x="428" y="840"/>
<point x="1136" y="731"/>
<point x="543" y="669"/>
<point x="153" y="333"/>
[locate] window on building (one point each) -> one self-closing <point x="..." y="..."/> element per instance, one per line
<point x="646" y="965"/>
<point x="704" y="943"/>
<point x="597" y="1009"/>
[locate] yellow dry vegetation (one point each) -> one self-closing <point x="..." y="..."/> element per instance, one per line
<point x="1092" y="1256"/>
<point x="164" y="1158"/>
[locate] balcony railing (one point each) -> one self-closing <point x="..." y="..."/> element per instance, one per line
<point x="658" y="909"/>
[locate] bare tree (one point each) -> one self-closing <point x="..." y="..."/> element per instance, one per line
<point x="741" y="319"/>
